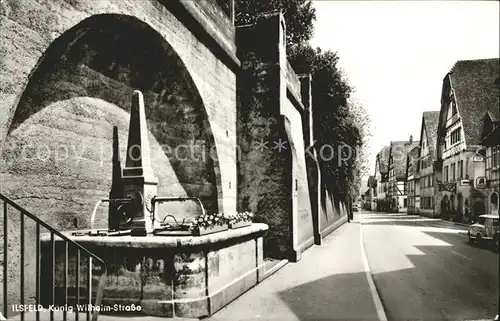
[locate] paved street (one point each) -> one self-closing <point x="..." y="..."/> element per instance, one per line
<point x="424" y="269"/>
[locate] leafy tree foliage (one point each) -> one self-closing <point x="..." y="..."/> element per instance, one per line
<point x="299" y="16"/>
<point x="339" y="121"/>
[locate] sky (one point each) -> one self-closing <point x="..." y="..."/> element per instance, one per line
<point x="396" y="54"/>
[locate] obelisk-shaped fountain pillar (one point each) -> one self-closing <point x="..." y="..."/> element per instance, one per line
<point x="139" y="181"/>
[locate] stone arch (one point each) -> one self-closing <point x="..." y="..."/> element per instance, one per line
<point x="89" y="74"/>
<point x="494" y="203"/>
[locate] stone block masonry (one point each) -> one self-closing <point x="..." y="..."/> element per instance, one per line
<point x="281" y="185"/>
<point x="273" y="180"/>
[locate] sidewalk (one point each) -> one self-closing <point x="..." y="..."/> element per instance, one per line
<point x="329" y="283"/>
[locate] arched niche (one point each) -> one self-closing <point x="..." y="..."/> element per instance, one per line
<point x="80" y="88"/>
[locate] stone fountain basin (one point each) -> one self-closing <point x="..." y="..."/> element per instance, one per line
<point x="169" y="276"/>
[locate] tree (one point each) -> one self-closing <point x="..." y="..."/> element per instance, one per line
<point x="339" y="121"/>
<point x="362" y="122"/>
<point x="299" y="16"/>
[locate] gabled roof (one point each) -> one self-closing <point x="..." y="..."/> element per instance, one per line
<point x="398" y="154"/>
<point x="383" y="159"/>
<point x="475" y="84"/>
<point x="493" y="138"/>
<point x="371" y="181"/>
<point x="489" y="125"/>
<point x="412" y="159"/>
<point x="430" y="121"/>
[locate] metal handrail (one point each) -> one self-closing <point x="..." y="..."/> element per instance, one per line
<point x="68" y="241"/>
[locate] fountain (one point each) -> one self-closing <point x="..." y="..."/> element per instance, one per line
<point x="167" y="268"/>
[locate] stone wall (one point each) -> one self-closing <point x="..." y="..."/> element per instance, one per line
<point x="301" y="185"/>
<point x="262" y="176"/>
<point x="281" y="185"/>
<point x="273" y="179"/>
<point x="330" y="210"/>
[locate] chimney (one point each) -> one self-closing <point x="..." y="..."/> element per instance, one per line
<point x="411" y="139"/>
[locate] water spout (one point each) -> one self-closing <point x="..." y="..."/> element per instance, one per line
<point x="95" y="210"/>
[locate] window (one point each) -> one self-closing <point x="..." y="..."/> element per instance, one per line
<point x="452" y="172"/>
<point x="453" y="104"/>
<point x="446" y="173"/>
<point x="426" y="203"/>
<point x="455" y="136"/>
<point x="495" y="155"/>
<point x="493" y="175"/>
<point x="461" y="169"/>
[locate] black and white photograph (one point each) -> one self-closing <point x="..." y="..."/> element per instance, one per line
<point x="240" y="160"/>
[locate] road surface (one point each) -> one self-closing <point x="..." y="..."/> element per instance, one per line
<point x="424" y="269"/>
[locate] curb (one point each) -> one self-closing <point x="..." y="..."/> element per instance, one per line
<point x="455" y="223"/>
<point x="377" y="300"/>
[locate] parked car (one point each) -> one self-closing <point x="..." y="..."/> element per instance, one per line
<point x="485" y="229"/>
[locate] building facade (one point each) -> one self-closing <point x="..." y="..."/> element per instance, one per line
<point x="367" y="199"/>
<point x="427" y="186"/>
<point x="469" y="93"/>
<point x="491" y="142"/>
<point x="381" y="178"/>
<point x="412" y="185"/>
<point x="396" y="194"/>
<point x="372" y="186"/>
